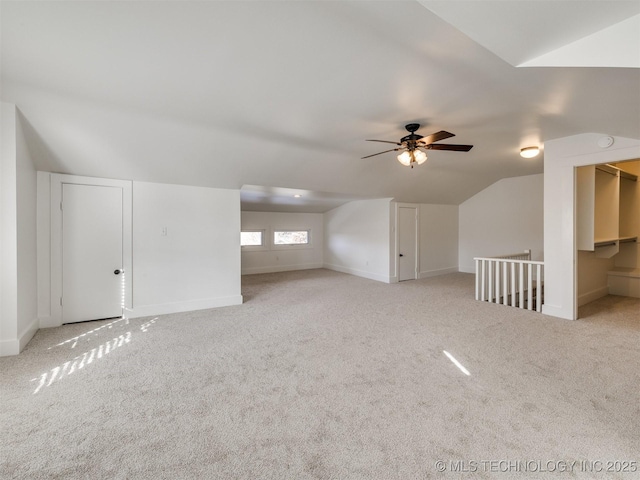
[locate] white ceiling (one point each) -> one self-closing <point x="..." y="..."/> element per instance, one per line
<point x="284" y="94"/>
<point x="550" y="32"/>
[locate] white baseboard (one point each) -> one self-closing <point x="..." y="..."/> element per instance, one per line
<point x="16" y="345"/>
<point x="166" y="308"/>
<point x="9" y="347"/>
<point x="465" y="269"/>
<point x="556" y="311"/>
<point x="359" y="273"/>
<point x="593" y="295"/>
<point x="440" y="271"/>
<point x="49" y="322"/>
<point x="280" y="268"/>
<point x="27" y="334"/>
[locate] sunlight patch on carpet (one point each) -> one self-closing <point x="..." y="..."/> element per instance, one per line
<point x="456" y="363"/>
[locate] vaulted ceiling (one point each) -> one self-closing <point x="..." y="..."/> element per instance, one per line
<point x="280" y="96"/>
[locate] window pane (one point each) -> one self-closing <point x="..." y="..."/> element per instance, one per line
<point x="250" y="239"/>
<point x="291" y="238"/>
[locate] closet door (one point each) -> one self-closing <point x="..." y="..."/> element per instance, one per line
<point x="92" y="273"/>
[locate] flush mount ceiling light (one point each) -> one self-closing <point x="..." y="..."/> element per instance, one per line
<point x="529" y="152"/>
<point x="297" y="195"/>
<point x="411" y="146"/>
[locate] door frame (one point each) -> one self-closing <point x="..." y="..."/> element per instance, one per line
<point x="55" y="288"/>
<point x="397" y="239"/>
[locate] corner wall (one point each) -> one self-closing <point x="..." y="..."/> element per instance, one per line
<point x="438" y="239"/>
<point x="357" y="239"/>
<point x="560" y="159"/>
<point x="18" y="281"/>
<point x="506" y="217"/>
<point x="196" y="264"/>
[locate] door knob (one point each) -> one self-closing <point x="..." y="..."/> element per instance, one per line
<point x="117" y="272"/>
<point x="401" y="255"/>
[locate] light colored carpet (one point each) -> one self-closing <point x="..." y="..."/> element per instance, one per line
<point x="325" y="375"/>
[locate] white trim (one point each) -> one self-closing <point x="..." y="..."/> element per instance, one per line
<point x="179" y="307"/>
<point x="440" y="271"/>
<point x="43" y="239"/>
<point x="9" y="347"/>
<point x="359" y="273"/>
<point x="396" y="270"/>
<point x="283" y="268"/>
<point x="16" y="345"/>
<point x="592" y="295"/>
<point x="466" y="269"/>
<point x="48" y="322"/>
<point x="28" y="333"/>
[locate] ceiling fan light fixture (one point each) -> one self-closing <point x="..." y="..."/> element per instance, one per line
<point x="410" y="146"/>
<point x="405" y="158"/>
<point x="529" y="152"/>
<point x="420" y="156"/>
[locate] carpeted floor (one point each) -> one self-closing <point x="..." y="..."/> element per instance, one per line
<point x="329" y="376"/>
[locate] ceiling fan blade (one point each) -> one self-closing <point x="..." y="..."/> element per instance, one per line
<point x="444" y="146"/>
<point x="436" y="137"/>
<point x="386" y="151"/>
<point x="384" y="141"/>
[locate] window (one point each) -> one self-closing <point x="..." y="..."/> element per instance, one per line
<point x="252" y="238"/>
<point x="296" y="237"/>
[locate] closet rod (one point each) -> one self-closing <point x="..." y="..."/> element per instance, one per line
<point x="611" y="170"/>
<point x="629" y="240"/>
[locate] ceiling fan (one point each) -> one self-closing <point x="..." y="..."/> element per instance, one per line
<point x="413" y="145"/>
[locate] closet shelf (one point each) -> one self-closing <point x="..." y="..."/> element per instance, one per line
<point x="604" y="242"/>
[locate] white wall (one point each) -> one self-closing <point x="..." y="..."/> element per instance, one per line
<point x="592" y="279"/>
<point x="438" y="239"/>
<point x="197" y="264"/>
<point x="561" y="156"/>
<point x="27" y="247"/>
<point x="18" y="280"/>
<point x="8" y="234"/>
<point x="506" y="217"/>
<point x="283" y="258"/>
<point x="357" y="239"/>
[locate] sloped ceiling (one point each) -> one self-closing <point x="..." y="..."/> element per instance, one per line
<point x="550" y="33"/>
<point x="283" y="95"/>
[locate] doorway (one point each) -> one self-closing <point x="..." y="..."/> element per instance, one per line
<point x="407" y="243"/>
<point x="92" y="272"/>
<point x="85" y="236"/>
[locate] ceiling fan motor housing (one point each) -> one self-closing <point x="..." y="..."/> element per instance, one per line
<point x="412" y="137"/>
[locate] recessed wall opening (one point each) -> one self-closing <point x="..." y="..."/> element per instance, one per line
<point x="607" y="230"/>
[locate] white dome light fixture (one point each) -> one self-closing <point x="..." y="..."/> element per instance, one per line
<point x="529" y="152"/>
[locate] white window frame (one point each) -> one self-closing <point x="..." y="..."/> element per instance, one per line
<point x="264" y="245"/>
<point x="296" y="246"/>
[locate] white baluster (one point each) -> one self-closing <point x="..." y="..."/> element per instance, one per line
<point x="529" y="287"/>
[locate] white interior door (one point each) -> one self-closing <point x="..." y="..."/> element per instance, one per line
<point x="92" y="277"/>
<point x="407" y="243"/>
